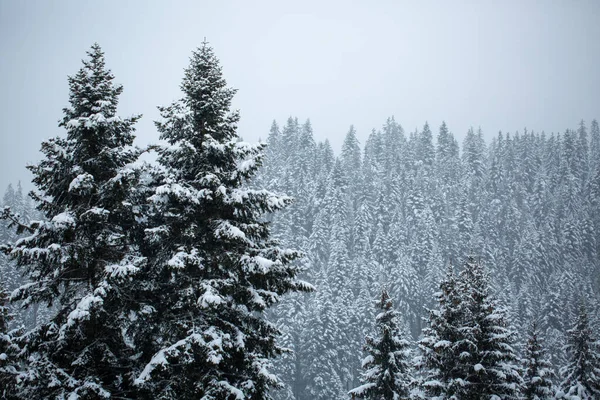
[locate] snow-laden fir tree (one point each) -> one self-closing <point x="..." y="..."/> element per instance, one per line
<point x="582" y="373"/>
<point x="538" y="373"/>
<point x="493" y="372"/>
<point x="8" y="275"/>
<point x="444" y="342"/>
<point x="78" y="257"/>
<point x="387" y="370"/>
<point x="8" y="350"/>
<point x="14" y="199"/>
<point x="322" y="370"/>
<point x="24" y="209"/>
<point x="5" y="317"/>
<point x="214" y="268"/>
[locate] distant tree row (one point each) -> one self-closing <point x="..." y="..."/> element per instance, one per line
<point x="394" y="212"/>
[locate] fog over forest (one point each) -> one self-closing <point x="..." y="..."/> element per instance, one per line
<point x="405" y="206"/>
<point x="502" y="67"/>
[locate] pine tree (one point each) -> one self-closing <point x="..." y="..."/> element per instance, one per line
<point x="8" y="350"/>
<point x="387" y="374"/>
<point x="9" y="196"/>
<point x="350" y="156"/>
<point x="23" y="211"/>
<point x="361" y="314"/>
<point x="538" y="373"/>
<point x="464" y="221"/>
<point x="493" y="372"/>
<point x="7" y="267"/>
<point x="291" y="316"/>
<point x="425" y="149"/>
<point x="322" y="354"/>
<point x="271" y="161"/>
<point x="443" y="342"/>
<point x="447" y="158"/>
<point x="77" y="259"/>
<point x="390" y="145"/>
<point x="582" y="373"/>
<point x="214" y="269"/>
<point x="473" y="154"/>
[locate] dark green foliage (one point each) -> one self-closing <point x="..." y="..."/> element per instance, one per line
<point x="213" y="267"/>
<point x="467" y="348"/>
<point x="443" y="342"/>
<point x="538" y="374"/>
<point x="77" y="258"/>
<point x="492" y="361"/>
<point x="387" y="374"/>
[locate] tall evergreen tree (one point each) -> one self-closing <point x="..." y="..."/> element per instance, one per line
<point x="425" y="149"/>
<point x="582" y="373"/>
<point x="350" y="156"/>
<point x="214" y="268"/>
<point x="78" y="258"/>
<point x="594" y="147"/>
<point x="322" y="353"/>
<point x="387" y="374"/>
<point x="493" y="371"/>
<point x="8" y="273"/>
<point x="8" y="350"/>
<point x="474" y="154"/>
<point x="538" y="372"/>
<point x="8" y="269"/>
<point x="447" y="158"/>
<point x="443" y="342"/>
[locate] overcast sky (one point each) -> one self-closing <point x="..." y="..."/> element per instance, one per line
<point x="499" y="65"/>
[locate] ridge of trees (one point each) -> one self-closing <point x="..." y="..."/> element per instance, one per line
<point x="394" y="211"/>
<point x="177" y="279"/>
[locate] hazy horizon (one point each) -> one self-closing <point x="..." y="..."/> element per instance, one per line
<point x="501" y="67"/>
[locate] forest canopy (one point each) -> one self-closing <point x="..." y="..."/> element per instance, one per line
<point x="408" y="267"/>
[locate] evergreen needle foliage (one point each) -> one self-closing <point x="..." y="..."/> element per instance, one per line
<point x="387" y="374"/>
<point x="213" y="268"/>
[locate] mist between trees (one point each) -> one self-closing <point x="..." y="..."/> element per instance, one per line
<point x="410" y="267"/>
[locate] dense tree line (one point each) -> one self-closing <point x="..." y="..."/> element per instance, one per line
<point x="397" y="211"/>
<point x="127" y="279"/>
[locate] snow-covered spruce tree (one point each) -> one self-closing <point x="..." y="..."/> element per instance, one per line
<point x="8" y="275"/>
<point x="322" y="367"/>
<point x="18" y="206"/>
<point x="8" y="350"/>
<point x="537" y="372"/>
<point x="582" y="373"/>
<point x="443" y="342"/>
<point x="214" y="268"/>
<point x="387" y="374"/>
<point x="492" y="372"/>
<point x="24" y="209"/>
<point x="78" y="257"/>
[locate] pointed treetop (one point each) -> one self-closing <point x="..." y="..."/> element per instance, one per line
<point x="386" y="302"/>
<point x="91" y="88"/>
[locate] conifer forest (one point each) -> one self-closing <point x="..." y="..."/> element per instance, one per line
<point x="410" y="266"/>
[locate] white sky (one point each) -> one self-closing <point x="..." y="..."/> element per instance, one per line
<point x="499" y="65"/>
